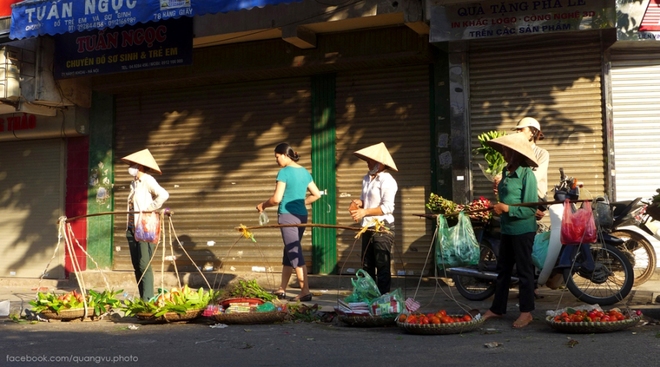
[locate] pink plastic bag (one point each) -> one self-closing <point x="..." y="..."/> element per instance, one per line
<point x="147" y="227"/>
<point x="578" y="227"/>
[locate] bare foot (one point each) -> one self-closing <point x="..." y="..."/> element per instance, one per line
<point x="490" y="315"/>
<point x="523" y="320"/>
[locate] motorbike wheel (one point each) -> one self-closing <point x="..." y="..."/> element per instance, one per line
<point x="475" y="289"/>
<point x="640" y="252"/>
<point x="609" y="282"/>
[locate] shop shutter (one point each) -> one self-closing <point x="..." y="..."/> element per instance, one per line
<point x="636" y="121"/>
<point x="391" y="106"/>
<point x="32" y="192"/>
<point x="555" y="79"/>
<point x="215" y="147"/>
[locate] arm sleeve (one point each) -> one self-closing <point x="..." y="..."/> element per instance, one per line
<point x="541" y="173"/>
<point x="388" y="193"/>
<point x="158" y="193"/>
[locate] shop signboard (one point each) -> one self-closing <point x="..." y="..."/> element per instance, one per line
<point x="638" y="20"/>
<point x="40" y="17"/>
<point x="150" y="45"/>
<point x="70" y="122"/>
<point x="484" y="19"/>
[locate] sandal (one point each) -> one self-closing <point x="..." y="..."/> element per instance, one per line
<point x="279" y="295"/>
<point x="305" y="298"/>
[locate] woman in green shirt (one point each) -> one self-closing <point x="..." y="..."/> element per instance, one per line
<point x="518" y="226"/>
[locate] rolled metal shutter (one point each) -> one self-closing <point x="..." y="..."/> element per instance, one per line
<point x="636" y="120"/>
<point x="215" y="146"/>
<point x="555" y="79"/>
<point x="391" y="106"/>
<point x="32" y="191"/>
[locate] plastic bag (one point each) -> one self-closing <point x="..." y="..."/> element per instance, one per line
<point x="266" y="307"/>
<point x="364" y="287"/>
<point x="540" y="249"/>
<point x="389" y="304"/>
<point x="579" y="226"/>
<point x="147" y="228"/>
<point x="456" y="246"/>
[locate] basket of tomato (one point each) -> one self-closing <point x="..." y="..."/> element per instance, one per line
<point x="593" y="321"/>
<point x="438" y="323"/>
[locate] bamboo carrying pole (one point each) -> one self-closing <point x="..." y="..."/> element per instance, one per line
<point x="165" y="211"/>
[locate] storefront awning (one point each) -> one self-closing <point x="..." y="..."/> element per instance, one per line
<point x="34" y="18"/>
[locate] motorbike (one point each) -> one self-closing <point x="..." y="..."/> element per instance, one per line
<point x="595" y="273"/>
<point x="637" y="247"/>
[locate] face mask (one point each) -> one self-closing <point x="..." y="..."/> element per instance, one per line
<point x="133" y="170"/>
<point x="375" y="170"/>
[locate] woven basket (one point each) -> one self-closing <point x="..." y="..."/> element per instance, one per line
<point x="69" y="314"/>
<point x="367" y="320"/>
<point x="171" y="316"/>
<point x="442" y="329"/>
<point x="653" y="210"/>
<point x="592" y="327"/>
<point x="250" y="317"/>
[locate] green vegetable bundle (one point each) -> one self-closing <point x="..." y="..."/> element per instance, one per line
<point x="250" y="289"/>
<point x="494" y="159"/>
<point x="176" y="300"/>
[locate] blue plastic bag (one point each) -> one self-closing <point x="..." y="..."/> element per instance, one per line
<point x="540" y="249"/>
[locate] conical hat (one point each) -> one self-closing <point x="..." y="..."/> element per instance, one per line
<point x="379" y="154"/>
<point x="516" y="142"/>
<point x="143" y="158"/>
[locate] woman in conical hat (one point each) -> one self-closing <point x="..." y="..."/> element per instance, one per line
<point x="377" y="203"/>
<point x="518" y="226"/>
<point x="146" y="195"/>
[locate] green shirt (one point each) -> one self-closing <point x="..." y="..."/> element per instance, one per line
<point x="296" y="179"/>
<point x="518" y="187"/>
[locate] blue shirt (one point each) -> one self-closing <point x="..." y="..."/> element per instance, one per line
<point x="518" y="187"/>
<point x="296" y="179"/>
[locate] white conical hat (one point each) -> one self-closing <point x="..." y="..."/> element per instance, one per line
<point x="517" y="142"/>
<point x="143" y="158"/>
<point x="379" y="154"/>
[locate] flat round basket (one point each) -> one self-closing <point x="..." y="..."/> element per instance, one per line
<point x="250" y="317"/>
<point x="441" y="329"/>
<point x="592" y="327"/>
<point x="69" y="314"/>
<point x="367" y="320"/>
<point x="171" y="316"/>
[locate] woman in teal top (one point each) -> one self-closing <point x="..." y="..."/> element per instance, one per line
<point x="292" y="184"/>
<point x="518" y="226"/>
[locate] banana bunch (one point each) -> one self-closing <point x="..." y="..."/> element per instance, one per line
<point x="439" y="205"/>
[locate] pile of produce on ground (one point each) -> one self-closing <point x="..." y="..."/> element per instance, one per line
<point x="100" y="302"/>
<point x="592" y="314"/>
<point x="244" y="297"/>
<point x="175" y="300"/>
<point x="433" y="318"/>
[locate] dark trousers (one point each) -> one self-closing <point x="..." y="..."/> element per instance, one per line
<point x="141" y="253"/>
<point x="376" y="250"/>
<point x="515" y="250"/>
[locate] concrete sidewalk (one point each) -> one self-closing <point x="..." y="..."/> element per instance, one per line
<point x="326" y="290"/>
